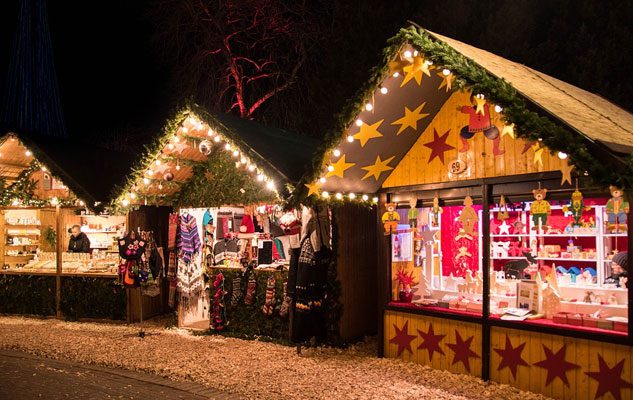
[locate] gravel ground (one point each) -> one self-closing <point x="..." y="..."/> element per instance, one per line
<point x="255" y="369"/>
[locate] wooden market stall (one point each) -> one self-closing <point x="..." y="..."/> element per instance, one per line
<point x="502" y="236"/>
<point x="48" y="187"/>
<point x="226" y="180"/>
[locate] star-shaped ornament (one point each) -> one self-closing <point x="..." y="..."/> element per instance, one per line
<point x="494" y="226"/>
<point x="179" y="147"/>
<point x="462" y="350"/>
<point x="480" y="102"/>
<point x="504" y="228"/>
<point x="508" y="130"/>
<point x="339" y="167"/>
<point x="312" y="189"/>
<point x="428" y="235"/>
<point x="368" y="132"/>
<point x="396" y="66"/>
<point x="438" y="146"/>
<point x="431" y="342"/>
<point x="160" y="169"/>
<point x="538" y="154"/>
<point x="410" y="119"/>
<point x="511" y="357"/>
<point x="402" y="338"/>
<point x="378" y="168"/>
<point x="415" y="70"/>
<point x="565" y="170"/>
<point x="447" y="81"/>
<point x="609" y="379"/>
<point x="527" y="146"/>
<point x="556" y="365"/>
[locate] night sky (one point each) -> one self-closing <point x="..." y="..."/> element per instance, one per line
<point x="113" y="83"/>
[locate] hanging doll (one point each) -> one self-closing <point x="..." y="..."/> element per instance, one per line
<point x="412" y="214"/>
<point x="390" y="218"/>
<point x="479" y="121"/>
<point x="435" y="212"/>
<point x="468" y="218"/>
<point x="540" y="208"/>
<point x="218" y="309"/>
<point x="617" y="209"/>
<point x="576" y="207"/>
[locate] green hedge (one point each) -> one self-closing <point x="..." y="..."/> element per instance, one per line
<point x="249" y="321"/>
<point x="86" y="297"/>
<point x="27" y="294"/>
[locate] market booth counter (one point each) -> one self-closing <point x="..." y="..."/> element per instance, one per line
<point x="503" y="237"/>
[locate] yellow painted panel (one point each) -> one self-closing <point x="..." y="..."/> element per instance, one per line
<point x="414" y="168"/>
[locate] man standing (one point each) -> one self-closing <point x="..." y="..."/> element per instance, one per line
<point x="79" y="242"/>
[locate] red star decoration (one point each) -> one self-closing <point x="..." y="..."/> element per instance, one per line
<point x="556" y="365"/>
<point x="609" y="379"/>
<point x="462" y="350"/>
<point x="431" y="342"/>
<point x="493" y="226"/>
<point x="439" y="146"/>
<point x="402" y="338"/>
<point x="511" y="357"/>
<point x="527" y="146"/>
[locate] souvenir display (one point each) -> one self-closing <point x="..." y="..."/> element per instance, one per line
<point x="390" y="218"/>
<point x="540" y="209"/>
<point x="617" y="210"/>
<point x="412" y="214"/>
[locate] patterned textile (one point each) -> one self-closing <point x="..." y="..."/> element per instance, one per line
<point x="190" y="281"/>
<point x="172" y="230"/>
<point x="188" y="238"/>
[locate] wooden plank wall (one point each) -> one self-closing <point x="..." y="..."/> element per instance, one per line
<point x="441" y="326"/>
<point x="356" y="268"/>
<point x="414" y="169"/>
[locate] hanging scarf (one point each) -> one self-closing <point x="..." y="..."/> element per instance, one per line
<point x="189" y="276"/>
<point x="188" y="239"/>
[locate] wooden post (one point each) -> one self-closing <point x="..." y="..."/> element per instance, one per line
<point x="59" y="260"/>
<point x="383" y="270"/>
<point x="629" y="241"/>
<point x="485" y="256"/>
<point x="3" y="239"/>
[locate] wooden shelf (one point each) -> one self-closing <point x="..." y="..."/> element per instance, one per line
<point x="21" y="245"/>
<point x="9" y="226"/>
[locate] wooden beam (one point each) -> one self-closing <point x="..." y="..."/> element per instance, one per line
<point x="60" y="250"/>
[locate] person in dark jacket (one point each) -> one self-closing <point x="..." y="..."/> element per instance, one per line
<point x="79" y="242"/>
<point x="619" y="266"/>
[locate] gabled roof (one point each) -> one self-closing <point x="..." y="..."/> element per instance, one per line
<point x="596" y="134"/>
<point x="204" y="159"/>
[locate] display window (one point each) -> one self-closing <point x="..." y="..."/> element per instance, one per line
<point x="436" y="256"/>
<point x="560" y="262"/>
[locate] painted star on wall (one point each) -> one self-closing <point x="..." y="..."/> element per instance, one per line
<point x="402" y="338"/>
<point x="431" y="342"/>
<point x="527" y="146"/>
<point x="340" y="167"/>
<point x="556" y="365"/>
<point x="538" y="154"/>
<point x="179" y="147"/>
<point x="439" y="146"/>
<point x="508" y="130"/>
<point x="511" y="357"/>
<point x="415" y="71"/>
<point x="462" y="350"/>
<point x="378" y="168"/>
<point x="480" y="102"/>
<point x="565" y="170"/>
<point x="410" y="119"/>
<point x="609" y="379"/>
<point x="312" y="189"/>
<point x="447" y="81"/>
<point x="161" y="169"/>
<point x="504" y="229"/>
<point x="368" y="132"/>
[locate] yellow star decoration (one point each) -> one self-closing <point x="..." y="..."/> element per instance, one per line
<point x="368" y="132"/>
<point x="566" y="171"/>
<point x="377" y="168"/>
<point x="538" y="154"/>
<point x="340" y="167"/>
<point x="396" y="66"/>
<point x="312" y="189"/>
<point x="415" y="71"/>
<point x="410" y="119"/>
<point x="480" y="105"/>
<point x="508" y="130"/>
<point x="447" y="81"/>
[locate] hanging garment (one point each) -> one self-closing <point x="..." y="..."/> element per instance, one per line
<point x="225" y="249"/>
<point x="188" y="241"/>
<point x="280" y="249"/>
<point x="172" y="231"/>
<point x="190" y="272"/>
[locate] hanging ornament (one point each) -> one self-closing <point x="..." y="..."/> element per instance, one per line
<point x="468" y="218"/>
<point x="168" y="176"/>
<point x="205" y="147"/>
<point x="576" y="208"/>
<point x="503" y="209"/>
<point x="617" y="210"/>
<point x="540" y="208"/>
<point x="435" y="212"/>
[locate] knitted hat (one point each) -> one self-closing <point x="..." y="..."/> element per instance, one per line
<point x="247" y="225"/>
<point x="622" y="259"/>
<point x="207" y="218"/>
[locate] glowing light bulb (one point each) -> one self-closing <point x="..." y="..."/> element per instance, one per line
<point x="54" y="201"/>
<point x="210" y="132"/>
<point x="350" y="138"/>
<point x="44" y="169"/>
<point x="176" y="139"/>
<point x="132" y="195"/>
<point x="160" y="186"/>
<point x="428" y="62"/>
<point x="415" y="53"/>
<point x="236" y="153"/>
<point x="146" y="181"/>
<point x="338" y="196"/>
<point x="243" y="160"/>
<point x="480" y="96"/>
<point x="498" y="108"/>
<point x="170" y="146"/>
<point x="365" y="197"/>
<point x="150" y="172"/>
<point x="15" y="202"/>
<point x="384" y="90"/>
<point x="359" y="122"/>
<point x="325" y="194"/>
<point x="125" y="202"/>
<point x="260" y="177"/>
<point x="369" y="107"/>
<point x="337" y="152"/>
<point x="216" y="139"/>
<point x="237" y="164"/>
<point x="562" y="155"/>
<point x="322" y="180"/>
<point x="185" y="129"/>
<point x="251" y="168"/>
<point x="407" y="54"/>
<point x="375" y="199"/>
<point x="396" y="74"/>
<point x="158" y="162"/>
<point x="270" y="185"/>
<point x="81" y="203"/>
<point x="330" y="168"/>
<point x="177" y="167"/>
<point x="28" y="153"/>
<point x="227" y="147"/>
<point x="446" y="72"/>
<point x="352" y="196"/>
